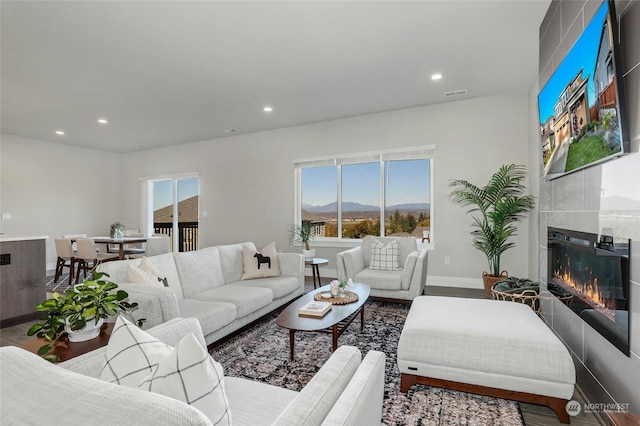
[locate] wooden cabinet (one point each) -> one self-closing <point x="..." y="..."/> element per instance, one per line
<point x="22" y="278"/>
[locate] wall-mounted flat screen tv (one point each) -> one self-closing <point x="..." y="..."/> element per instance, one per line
<point x="581" y="107"/>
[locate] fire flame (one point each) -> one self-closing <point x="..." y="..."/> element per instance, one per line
<point x="583" y="285"/>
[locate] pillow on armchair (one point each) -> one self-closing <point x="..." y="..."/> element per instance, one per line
<point x="385" y="257"/>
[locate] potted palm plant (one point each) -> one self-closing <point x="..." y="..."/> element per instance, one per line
<point x="498" y="206"/>
<point x="303" y="234"/>
<point x="80" y="312"/>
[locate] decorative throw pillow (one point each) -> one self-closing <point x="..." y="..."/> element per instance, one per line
<point x="259" y="264"/>
<point x="139" y="276"/>
<point x="131" y="354"/>
<point x="190" y="375"/>
<point x="148" y="266"/>
<point x="385" y="258"/>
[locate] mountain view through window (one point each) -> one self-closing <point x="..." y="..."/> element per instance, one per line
<point x="372" y="198"/>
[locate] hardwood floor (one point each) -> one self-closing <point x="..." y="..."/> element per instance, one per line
<point x="534" y="415"/>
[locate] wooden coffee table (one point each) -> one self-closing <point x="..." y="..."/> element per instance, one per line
<point x="335" y="321"/>
<point x="66" y="349"/>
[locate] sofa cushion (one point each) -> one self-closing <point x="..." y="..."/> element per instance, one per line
<point x="190" y="375"/>
<point x="280" y="286"/>
<point x="231" y="258"/>
<point x="131" y="354"/>
<point x="384" y="257"/>
<point x="211" y="315"/>
<point x="381" y="280"/>
<point x="259" y="264"/>
<point x="199" y="270"/>
<point x="246" y="299"/>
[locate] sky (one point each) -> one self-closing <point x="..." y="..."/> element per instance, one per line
<point x="583" y="54"/>
<point x="163" y="191"/>
<point x="407" y="181"/>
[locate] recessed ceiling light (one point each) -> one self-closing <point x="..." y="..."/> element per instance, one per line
<point x="267" y="109"/>
<point x="231" y="130"/>
<point x="436" y="76"/>
<point x="102" y="121"/>
<point x="59" y="132"/>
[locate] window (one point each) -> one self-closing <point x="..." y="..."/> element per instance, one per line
<point x="347" y="198"/>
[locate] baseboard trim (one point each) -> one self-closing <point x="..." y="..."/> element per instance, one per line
<point x="458" y="282"/>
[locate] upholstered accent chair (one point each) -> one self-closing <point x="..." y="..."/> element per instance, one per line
<point x="392" y="267"/>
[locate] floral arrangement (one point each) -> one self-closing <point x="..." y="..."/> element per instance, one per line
<point x="341" y="286"/>
<point x="116" y="229"/>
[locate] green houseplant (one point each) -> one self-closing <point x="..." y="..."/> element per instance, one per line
<point x="81" y="308"/>
<point x="303" y="234"/>
<point x="498" y="206"/>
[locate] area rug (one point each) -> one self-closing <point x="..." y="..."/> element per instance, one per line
<point x="262" y="354"/>
<point x="61" y="286"/>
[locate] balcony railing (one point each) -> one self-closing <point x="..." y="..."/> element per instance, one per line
<point x="187" y="234"/>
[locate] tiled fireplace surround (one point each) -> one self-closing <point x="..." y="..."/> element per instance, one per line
<point x="602" y="196"/>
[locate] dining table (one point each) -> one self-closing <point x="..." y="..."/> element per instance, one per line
<point x="120" y="242"/>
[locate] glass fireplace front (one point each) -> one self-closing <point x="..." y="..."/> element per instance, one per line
<point x="593" y="271"/>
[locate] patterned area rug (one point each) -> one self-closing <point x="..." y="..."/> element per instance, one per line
<point x="61" y="286"/>
<point x="262" y="353"/>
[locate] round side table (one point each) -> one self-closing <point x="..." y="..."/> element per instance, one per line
<point x="315" y="264"/>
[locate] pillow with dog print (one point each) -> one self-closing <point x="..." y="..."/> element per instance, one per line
<point x="259" y="264"/>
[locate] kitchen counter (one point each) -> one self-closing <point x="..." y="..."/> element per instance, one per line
<point x="9" y="238"/>
<point x="22" y="278"/>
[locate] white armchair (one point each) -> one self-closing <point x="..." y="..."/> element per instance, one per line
<point x="404" y="283"/>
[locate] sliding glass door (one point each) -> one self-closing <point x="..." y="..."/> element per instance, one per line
<point x="173" y="210"/>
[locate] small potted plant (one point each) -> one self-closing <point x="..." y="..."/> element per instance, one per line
<point x="80" y="312"/>
<point x="303" y="234"/>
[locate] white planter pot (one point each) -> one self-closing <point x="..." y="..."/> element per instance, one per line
<point x="90" y="331"/>
<point x="309" y="254"/>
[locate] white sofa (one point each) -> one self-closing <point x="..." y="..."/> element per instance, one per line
<point x="345" y="391"/>
<point x="205" y="284"/>
<point x="406" y="283"/>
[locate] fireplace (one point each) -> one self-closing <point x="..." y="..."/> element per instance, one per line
<point x="590" y="274"/>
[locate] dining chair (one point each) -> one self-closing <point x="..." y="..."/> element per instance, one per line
<point x="88" y="258"/>
<point x="158" y="244"/>
<point x="74" y="236"/>
<point x="66" y="258"/>
<point x="135" y="248"/>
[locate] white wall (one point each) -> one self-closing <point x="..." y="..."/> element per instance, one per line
<point x="247" y="180"/>
<point x="54" y="189"/>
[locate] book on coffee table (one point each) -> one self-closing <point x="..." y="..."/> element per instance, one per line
<point x="315" y="309"/>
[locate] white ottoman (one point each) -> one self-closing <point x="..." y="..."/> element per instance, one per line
<point x="488" y="347"/>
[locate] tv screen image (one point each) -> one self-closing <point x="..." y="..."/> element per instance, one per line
<point x="580" y="108"/>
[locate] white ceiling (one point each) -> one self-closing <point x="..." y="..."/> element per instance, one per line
<point x="165" y="73"/>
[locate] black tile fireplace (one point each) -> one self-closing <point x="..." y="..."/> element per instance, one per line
<point x="593" y="272"/>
